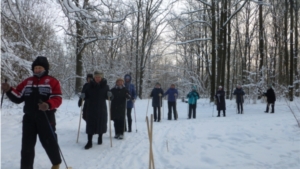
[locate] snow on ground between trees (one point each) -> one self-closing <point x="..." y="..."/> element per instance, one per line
<point x="252" y="140"/>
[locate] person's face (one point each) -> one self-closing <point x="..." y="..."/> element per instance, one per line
<point x="38" y="69"/>
<point x="127" y="79"/>
<point x="119" y="83"/>
<point x="238" y="87"/>
<point x="88" y="80"/>
<point x="97" y="78"/>
<point x="157" y="86"/>
<point x="173" y="86"/>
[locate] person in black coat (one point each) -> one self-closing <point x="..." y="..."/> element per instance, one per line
<point x="118" y="107"/>
<point x="96" y="94"/>
<point x="156" y="95"/>
<point x="271" y="98"/>
<point x="220" y="101"/>
<point x="239" y="98"/>
<point x="89" y="77"/>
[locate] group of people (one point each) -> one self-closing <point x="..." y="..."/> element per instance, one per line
<point x="42" y="96"/>
<point x="239" y="93"/>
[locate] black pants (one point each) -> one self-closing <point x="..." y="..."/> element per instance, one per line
<point x="129" y="119"/>
<point x="37" y="124"/>
<point x="272" y="106"/>
<point x="170" y="106"/>
<point x="192" y="109"/>
<point x="240" y="107"/>
<point x="155" y="110"/>
<point x="119" y="124"/>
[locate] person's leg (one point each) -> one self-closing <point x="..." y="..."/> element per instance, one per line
<point x="116" y="129"/>
<point x="272" y="105"/>
<point x="194" y="110"/>
<point x="218" y="113"/>
<point x="238" y="107"/>
<point x="129" y="119"/>
<point x="242" y="109"/>
<point x="155" y="113"/>
<point x="224" y="113"/>
<point x="267" y="110"/>
<point x="159" y="114"/>
<point x="190" y="111"/>
<point x="169" y="111"/>
<point x="89" y="144"/>
<point x="48" y="137"/>
<point x="174" y="111"/>
<point x="29" y="132"/>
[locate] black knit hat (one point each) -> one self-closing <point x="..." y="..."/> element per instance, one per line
<point x="89" y="76"/>
<point x="40" y="61"/>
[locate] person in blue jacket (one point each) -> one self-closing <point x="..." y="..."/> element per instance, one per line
<point x="172" y="96"/>
<point x="130" y="87"/>
<point x="156" y="95"/>
<point x="193" y="96"/>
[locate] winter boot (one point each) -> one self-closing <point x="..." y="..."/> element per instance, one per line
<point x="55" y="166"/>
<point x="218" y="114"/>
<point x="89" y="144"/>
<point x="26" y="167"/>
<point x="224" y="114"/>
<point x="121" y="137"/>
<point x="129" y="126"/>
<point x="100" y="139"/>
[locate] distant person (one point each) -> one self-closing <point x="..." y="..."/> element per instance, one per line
<point x="220" y="101"/>
<point x="41" y="95"/>
<point x="156" y="95"/>
<point x="192" y="96"/>
<point x="172" y="96"/>
<point x="96" y="94"/>
<point x="239" y="98"/>
<point x="118" y="107"/>
<point x="89" y="77"/>
<point x="271" y="98"/>
<point x="130" y="87"/>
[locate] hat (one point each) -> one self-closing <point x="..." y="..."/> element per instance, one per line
<point x="194" y="88"/>
<point x="98" y="73"/>
<point x="40" y="61"/>
<point x="157" y="84"/>
<point x="270" y="85"/>
<point x="89" y="76"/>
<point x="220" y="87"/>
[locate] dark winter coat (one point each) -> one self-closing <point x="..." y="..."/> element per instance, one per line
<point x="118" y="103"/>
<point x="171" y="94"/>
<point x="96" y="95"/>
<point x="193" y="96"/>
<point x="271" y="97"/>
<point x="239" y="95"/>
<point x="84" y="109"/>
<point x="220" y="100"/>
<point x="156" y="100"/>
<point x="130" y="87"/>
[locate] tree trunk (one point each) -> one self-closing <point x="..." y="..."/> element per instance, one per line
<point x="291" y="86"/>
<point x="297" y="6"/>
<point x="213" y="41"/>
<point x="261" y="42"/>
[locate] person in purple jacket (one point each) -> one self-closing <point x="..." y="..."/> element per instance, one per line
<point x="172" y="96"/>
<point x="130" y="102"/>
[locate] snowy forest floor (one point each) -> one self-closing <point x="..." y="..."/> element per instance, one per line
<point x="253" y="140"/>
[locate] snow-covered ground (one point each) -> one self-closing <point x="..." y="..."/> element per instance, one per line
<point x="254" y="140"/>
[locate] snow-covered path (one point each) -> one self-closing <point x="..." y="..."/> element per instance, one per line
<point x="252" y="140"/>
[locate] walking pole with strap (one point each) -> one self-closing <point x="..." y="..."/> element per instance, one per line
<point x="109" y="106"/>
<point x="135" y="116"/>
<point x="80" y="116"/>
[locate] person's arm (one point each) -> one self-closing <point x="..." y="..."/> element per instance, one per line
<point x="55" y="98"/>
<point x="16" y="94"/>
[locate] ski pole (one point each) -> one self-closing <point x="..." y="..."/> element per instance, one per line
<point x="3" y="94"/>
<point x="159" y="111"/>
<point x="51" y="129"/>
<point x="135" y="116"/>
<point x="80" y="119"/>
<point x="147" y="107"/>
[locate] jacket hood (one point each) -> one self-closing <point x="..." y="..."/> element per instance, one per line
<point x="127" y="76"/>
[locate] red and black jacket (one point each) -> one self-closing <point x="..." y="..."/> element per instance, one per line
<point x="36" y="89"/>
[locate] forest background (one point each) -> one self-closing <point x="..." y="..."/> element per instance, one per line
<point x="205" y="43"/>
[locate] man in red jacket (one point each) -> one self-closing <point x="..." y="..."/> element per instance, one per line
<point x="42" y="96"/>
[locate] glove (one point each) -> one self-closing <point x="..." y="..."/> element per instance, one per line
<point x="109" y="94"/>
<point x="159" y="94"/>
<point x="5" y="87"/>
<point x="82" y="96"/>
<point x="43" y="106"/>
